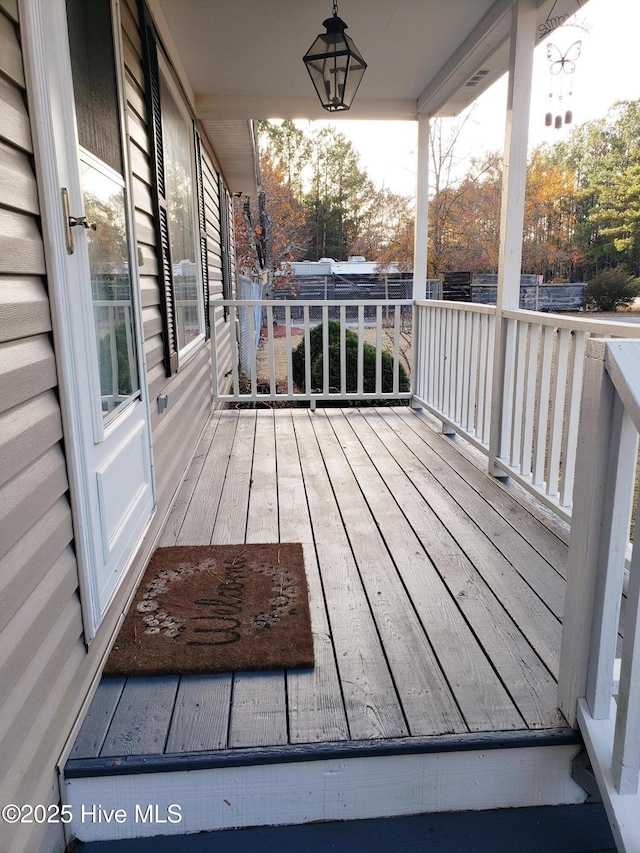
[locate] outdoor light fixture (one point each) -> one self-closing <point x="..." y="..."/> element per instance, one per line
<point x="335" y="65"/>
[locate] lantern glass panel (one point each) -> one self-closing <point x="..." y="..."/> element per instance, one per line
<point x="336" y="69"/>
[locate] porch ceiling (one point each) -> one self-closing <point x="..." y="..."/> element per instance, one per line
<point x="243" y="59"/>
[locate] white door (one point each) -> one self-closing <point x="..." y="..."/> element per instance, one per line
<point x="112" y="455"/>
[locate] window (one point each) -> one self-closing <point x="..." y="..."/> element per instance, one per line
<point x="179" y="160"/>
<point x="225" y="242"/>
<point x="179" y="214"/>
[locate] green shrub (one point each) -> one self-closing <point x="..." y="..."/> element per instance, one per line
<point x="351" y="345"/>
<point x="611" y="288"/>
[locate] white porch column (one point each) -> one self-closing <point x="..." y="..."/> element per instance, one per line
<point x="420" y="252"/>
<point x="422" y="210"/>
<point x="523" y="37"/>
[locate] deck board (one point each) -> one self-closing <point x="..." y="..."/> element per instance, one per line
<point x="435" y="597"/>
<point x="259" y="704"/>
<point x="426" y="696"/>
<point x="535" y="619"/>
<point x="539" y="574"/>
<point x="200" y="517"/>
<point x="371" y="703"/>
<point x="482" y="697"/>
<point x="315" y="707"/>
<point x="201" y="714"/>
<point x="547" y="543"/>
<point x="493" y="659"/>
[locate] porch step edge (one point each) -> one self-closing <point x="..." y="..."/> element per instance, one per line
<point x="79" y="768"/>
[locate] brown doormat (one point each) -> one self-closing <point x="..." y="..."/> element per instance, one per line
<point x="217" y="608"/>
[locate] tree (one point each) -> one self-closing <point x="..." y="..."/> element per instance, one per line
<point x="387" y="231"/>
<point x="549" y="217"/>
<point x="338" y="194"/>
<point x="270" y="228"/>
<point x="603" y="155"/>
<point x="289" y="146"/>
<point x="466" y="217"/>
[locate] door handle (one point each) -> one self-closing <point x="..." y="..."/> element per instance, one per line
<point x="83" y="221"/>
<point x="73" y="222"/>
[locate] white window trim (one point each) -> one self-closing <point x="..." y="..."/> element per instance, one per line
<point x="190" y="349"/>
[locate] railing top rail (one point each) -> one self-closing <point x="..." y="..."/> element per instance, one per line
<point x="300" y="303"/>
<point x="474" y="307"/>
<point x="621" y="360"/>
<point x="562" y="321"/>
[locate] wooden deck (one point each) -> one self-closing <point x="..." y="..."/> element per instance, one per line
<point x="436" y="600"/>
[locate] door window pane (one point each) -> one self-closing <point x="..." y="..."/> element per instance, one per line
<point x="94" y="79"/>
<point x="177" y="137"/>
<point x="104" y="203"/>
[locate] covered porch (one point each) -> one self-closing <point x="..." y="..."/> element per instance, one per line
<point x="436" y="595"/>
<point x="437" y="591"/>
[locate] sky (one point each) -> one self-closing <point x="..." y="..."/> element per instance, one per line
<point x="606" y="71"/>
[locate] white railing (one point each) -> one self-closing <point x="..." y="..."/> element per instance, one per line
<point x="541" y="386"/>
<point x="454" y="365"/>
<point x="604" y="498"/>
<point x="306" y="352"/>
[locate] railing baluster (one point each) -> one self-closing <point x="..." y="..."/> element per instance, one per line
<point x="252" y="353"/>
<point x="464" y="375"/>
<point x="508" y="380"/>
<point x="307" y="351"/>
<point x="570" y="438"/>
<point x="215" y="370"/>
<point x="482" y="378"/>
<point x="378" y="349"/>
<point x="430" y="330"/>
<point x="396" y="350"/>
<point x="518" y="394"/>
<point x="271" y="351"/>
<point x="287" y="322"/>
<point x="462" y="354"/>
<point x="235" y="354"/>
<point x="491" y="333"/>
<point x="557" y="412"/>
<point x="325" y="349"/>
<point x="529" y="402"/>
<point x="360" y="348"/>
<point x="472" y="377"/>
<point x="343" y="351"/>
<point x="542" y="421"/>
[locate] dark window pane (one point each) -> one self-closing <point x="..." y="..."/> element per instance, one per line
<point x="94" y="79"/>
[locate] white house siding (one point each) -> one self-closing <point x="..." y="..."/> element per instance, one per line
<point x="41" y="650"/>
<point x="189" y="392"/>
<point x="46" y="672"/>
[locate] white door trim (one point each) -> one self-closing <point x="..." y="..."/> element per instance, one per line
<point x="40" y="29"/>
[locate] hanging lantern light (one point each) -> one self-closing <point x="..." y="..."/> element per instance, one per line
<point x="335" y="65"/>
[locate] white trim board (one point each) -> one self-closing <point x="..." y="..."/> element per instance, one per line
<point x="326" y="790"/>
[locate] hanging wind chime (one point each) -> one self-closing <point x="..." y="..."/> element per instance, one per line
<point x="562" y="67"/>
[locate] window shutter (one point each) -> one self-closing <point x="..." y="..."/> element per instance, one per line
<point x="225" y="242"/>
<point x="202" y="221"/>
<point x="158" y="192"/>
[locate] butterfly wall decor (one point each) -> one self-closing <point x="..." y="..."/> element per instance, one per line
<point x="562" y="64"/>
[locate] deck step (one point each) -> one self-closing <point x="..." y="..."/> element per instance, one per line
<point x="173" y="795"/>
